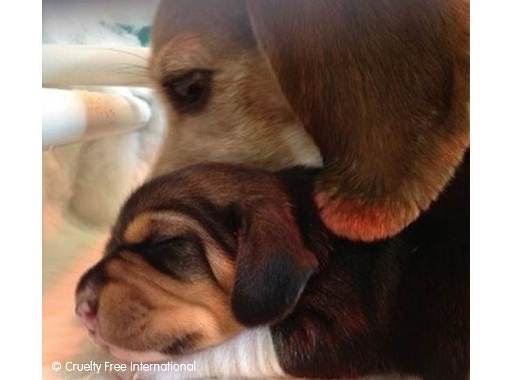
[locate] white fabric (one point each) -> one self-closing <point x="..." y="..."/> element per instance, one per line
<point x="85" y="183"/>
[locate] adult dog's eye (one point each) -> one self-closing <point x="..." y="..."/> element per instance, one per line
<point x="190" y="91"/>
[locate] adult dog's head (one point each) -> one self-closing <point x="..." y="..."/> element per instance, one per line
<point x="379" y="87"/>
<point x="223" y="102"/>
<point x="194" y="259"/>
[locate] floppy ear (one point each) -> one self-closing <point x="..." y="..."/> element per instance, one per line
<point x="383" y="89"/>
<point x="272" y="265"/>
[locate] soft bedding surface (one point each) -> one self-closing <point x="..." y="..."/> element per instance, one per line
<point x="85" y="183"/>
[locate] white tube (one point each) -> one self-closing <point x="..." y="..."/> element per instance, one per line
<point x="73" y="115"/>
<point x="82" y="65"/>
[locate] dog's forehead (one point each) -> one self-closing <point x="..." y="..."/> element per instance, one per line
<point x="218" y="183"/>
<point x="161" y="194"/>
<point x="223" y="20"/>
<point x="203" y="188"/>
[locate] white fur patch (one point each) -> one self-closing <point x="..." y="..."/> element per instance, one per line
<point x="251" y="354"/>
<point x="302" y="147"/>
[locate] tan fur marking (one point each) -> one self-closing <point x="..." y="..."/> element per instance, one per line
<point x="142" y="309"/>
<point x="173" y="224"/>
<point x="138" y="229"/>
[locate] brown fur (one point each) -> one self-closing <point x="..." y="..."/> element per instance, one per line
<point x="136" y="298"/>
<point x="247" y="119"/>
<point x="385" y="97"/>
<point x="134" y="308"/>
<point x="203" y="292"/>
<point x="195" y="258"/>
<point x="380" y="86"/>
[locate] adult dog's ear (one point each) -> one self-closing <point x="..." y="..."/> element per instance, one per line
<point x="383" y="89"/>
<point x="272" y="264"/>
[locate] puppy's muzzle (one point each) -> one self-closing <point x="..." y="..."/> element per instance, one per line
<point x="87" y="297"/>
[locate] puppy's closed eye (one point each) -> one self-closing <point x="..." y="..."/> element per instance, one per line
<point x="189" y="91"/>
<point x="180" y="257"/>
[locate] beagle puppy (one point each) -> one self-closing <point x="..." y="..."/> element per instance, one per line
<point x="376" y="92"/>
<point x="232" y="268"/>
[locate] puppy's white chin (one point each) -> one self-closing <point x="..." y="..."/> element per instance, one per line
<point x="136" y="356"/>
<point x="128" y="355"/>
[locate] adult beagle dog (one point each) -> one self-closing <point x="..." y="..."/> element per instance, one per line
<point x="233" y="268"/>
<point x="376" y="92"/>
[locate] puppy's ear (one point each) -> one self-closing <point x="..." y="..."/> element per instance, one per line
<point x="382" y="88"/>
<point x="272" y="265"/>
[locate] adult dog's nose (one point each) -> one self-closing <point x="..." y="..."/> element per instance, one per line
<point x="87" y="312"/>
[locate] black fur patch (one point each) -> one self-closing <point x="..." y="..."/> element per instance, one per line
<point x="181" y="345"/>
<point x="398" y="305"/>
<point x="180" y="257"/>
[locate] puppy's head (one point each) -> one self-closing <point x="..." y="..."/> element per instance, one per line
<point x="193" y="259"/>
<point x="222" y="100"/>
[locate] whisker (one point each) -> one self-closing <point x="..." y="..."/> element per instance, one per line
<point x="129" y="73"/>
<point x="133" y="65"/>
<point x="130" y="69"/>
<point x="128" y="53"/>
